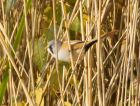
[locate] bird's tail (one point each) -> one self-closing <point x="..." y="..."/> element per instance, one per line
<point x="92" y="42"/>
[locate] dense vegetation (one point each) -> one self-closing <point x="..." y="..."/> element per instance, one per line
<point x="109" y="75"/>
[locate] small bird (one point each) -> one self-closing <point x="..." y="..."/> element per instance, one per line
<point x="77" y="47"/>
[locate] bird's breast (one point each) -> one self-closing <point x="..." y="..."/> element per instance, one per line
<point x="64" y="55"/>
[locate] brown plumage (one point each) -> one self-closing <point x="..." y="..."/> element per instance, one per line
<point x="76" y="46"/>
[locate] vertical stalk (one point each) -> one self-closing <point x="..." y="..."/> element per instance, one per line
<point x="29" y="52"/>
<point x="55" y="35"/>
<point x="99" y="83"/>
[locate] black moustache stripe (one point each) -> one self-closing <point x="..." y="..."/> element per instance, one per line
<point x="51" y="49"/>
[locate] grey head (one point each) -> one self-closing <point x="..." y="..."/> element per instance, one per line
<point x="52" y="47"/>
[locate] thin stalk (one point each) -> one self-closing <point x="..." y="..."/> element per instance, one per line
<point x="29" y="53"/>
<point x="99" y="82"/>
<point x="55" y="35"/>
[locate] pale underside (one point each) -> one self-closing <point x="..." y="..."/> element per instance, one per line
<point x="76" y="46"/>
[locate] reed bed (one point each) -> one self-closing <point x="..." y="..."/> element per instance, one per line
<point x="109" y="75"/>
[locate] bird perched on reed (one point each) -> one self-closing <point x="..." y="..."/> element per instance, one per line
<point x="77" y="47"/>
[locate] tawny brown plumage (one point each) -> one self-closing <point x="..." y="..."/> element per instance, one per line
<point x="76" y="48"/>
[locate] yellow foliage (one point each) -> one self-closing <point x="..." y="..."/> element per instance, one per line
<point x="38" y="93"/>
<point x="67" y="104"/>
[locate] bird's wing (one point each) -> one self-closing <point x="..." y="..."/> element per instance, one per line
<point x="75" y="44"/>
